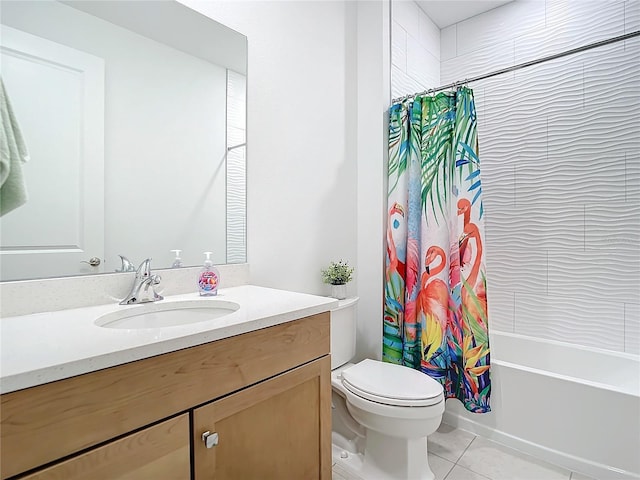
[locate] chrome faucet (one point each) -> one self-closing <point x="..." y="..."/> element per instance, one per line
<point x="144" y="279"/>
<point x="126" y="266"/>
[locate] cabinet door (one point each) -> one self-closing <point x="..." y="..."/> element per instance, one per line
<point x="277" y="429"/>
<point x="160" y="451"/>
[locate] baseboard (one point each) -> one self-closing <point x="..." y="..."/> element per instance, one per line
<point x="570" y="462"/>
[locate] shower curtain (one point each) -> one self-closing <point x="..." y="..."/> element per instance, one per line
<point x="435" y="315"/>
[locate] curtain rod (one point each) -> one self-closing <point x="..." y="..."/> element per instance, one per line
<point x="522" y="65"/>
<point x="236" y="146"/>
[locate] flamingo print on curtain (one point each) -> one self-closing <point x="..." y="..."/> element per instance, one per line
<point x="435" y="315"/>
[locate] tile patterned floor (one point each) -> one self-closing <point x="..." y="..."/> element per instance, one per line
<point x="458" y="455"/>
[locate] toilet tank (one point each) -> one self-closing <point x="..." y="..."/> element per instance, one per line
<point x="343" y="332"/>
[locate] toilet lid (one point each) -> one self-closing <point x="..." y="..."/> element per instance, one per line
<point x="392" y="384"/>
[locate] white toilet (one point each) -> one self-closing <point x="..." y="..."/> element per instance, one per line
<point x="382" y="413"/>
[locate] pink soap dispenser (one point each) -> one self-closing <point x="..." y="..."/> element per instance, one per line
<point x="209" y="278"/>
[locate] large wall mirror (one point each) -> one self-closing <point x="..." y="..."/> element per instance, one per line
<point x="134" y="117"/>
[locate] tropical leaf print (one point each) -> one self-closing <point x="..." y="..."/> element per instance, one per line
<point x="435" y="315"/>
<point x="436" y="138"/>
<point x="397" y="145"/>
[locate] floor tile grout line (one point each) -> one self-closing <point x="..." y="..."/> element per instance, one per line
<point x="449" y="472"/>
<point x="465" y="468"/>
<point x="465" y="450"/>
<point x="429" y="452"/>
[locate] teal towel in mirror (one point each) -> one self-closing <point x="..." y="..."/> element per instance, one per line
<point x="13" y="153"/>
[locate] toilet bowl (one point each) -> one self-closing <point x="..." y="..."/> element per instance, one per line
<point x="382" y="413"/>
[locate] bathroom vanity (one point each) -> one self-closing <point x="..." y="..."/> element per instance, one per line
<point x="251" y="404"/>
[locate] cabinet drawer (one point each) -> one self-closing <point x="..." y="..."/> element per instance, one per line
<point x="160" y="451"/>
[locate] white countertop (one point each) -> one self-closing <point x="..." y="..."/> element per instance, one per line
<point x="44" y="347"/>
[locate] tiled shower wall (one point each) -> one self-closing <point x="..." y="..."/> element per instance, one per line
<point x="560" y="153"/>
<point x="415" y="49"/>
<point x="236" y="167"/>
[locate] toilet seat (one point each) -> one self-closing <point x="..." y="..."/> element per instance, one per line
<point x="390" y="384"/>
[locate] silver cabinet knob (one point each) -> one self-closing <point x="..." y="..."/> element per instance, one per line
<point x="93" y="261"/>
<point x="210" y="439"/>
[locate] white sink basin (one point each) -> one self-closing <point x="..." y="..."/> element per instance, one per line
<point x="167" y="314"/>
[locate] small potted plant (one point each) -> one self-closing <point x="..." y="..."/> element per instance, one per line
<point x="338" y="274"/>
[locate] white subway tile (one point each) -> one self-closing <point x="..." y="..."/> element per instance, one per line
<point x="421" y="65"/>
<point x="448" y="48"/>
<point x="570" y="179"/>
<point x="429" y="35"/>
<point x="615" y="225"/>
<point x="500" y="24"/>
<point x="407" y="14"/>
<point x="592" y="321"/>
<point x="571" y="25"/>
<point x="612" y="96"/>
<point x="633" y="44"/>
<point x="537" y="225"/>
<point x="632" y="177"/>
<point x="549" y="87"/>
<point x="236" y="114"/>
<point x="237" y="86"/>
<point x="399" y="47"/>
<point x="512" y="139"/>
<point x="518" y="270"/>
<point x="561" y="11"/>
<point x="500" y="307"/>
<point x="631" y="16"/>
<point x="498" y="186"/>
<point x="585" y="161"/>
<point x="478" y="62"/>
<point x="402" y="84"/>
<point x="235" y="136"/>
<point x="632" y="327"/>
<point x="612" y="276"/>
<point x="498" y="84"/>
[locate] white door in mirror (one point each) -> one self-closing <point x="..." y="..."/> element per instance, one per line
<point x="52" y="235"/>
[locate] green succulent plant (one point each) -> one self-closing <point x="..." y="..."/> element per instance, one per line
<point x="337" y="273"/>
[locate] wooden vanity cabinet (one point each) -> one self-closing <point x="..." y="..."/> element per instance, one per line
<point x="271" y="431"/>
<point x="266" y="394"/>
<point x="160" y="451"/>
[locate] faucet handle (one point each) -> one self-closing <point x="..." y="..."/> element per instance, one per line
<point x="126" y="266"/>
<point x="144" y="270"/>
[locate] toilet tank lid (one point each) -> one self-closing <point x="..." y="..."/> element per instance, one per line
<point x="392" y="381"/>
<point x="347" y="302"/>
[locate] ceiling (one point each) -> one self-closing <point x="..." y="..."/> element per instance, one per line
<point x="447" y="12"/>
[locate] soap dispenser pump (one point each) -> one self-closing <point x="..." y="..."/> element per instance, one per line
<point x="209" y="278"/>
<point x="177" y="262"/>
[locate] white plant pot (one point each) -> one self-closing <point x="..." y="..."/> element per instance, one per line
<point x="339" y="291"/>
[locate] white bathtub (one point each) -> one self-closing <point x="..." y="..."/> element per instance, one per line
<point x="574" y="406"/>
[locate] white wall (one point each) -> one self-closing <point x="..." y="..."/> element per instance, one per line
<point x="301" y="184"/>
<point x="559" y="145"/>
<point x="415" y="49"/>
<point x="373" y="98"/>
<point x="318" y="90"/>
